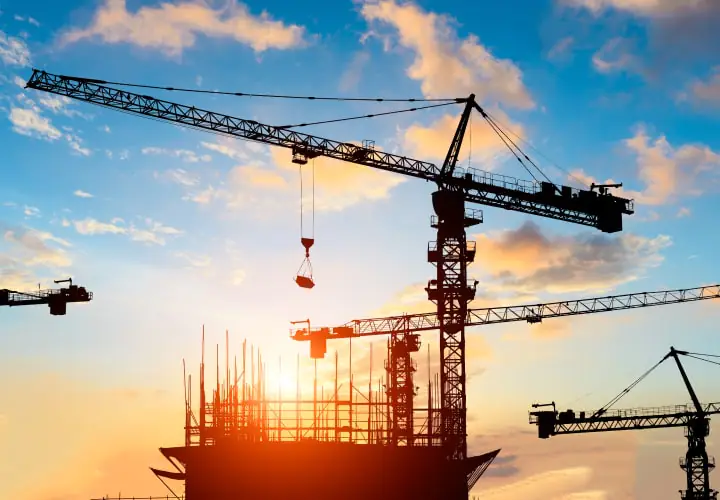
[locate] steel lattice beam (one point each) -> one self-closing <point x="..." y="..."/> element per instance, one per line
<point x="505" y="314"/>
<point x="618" y="420"/>
<point x="481" y="187"/>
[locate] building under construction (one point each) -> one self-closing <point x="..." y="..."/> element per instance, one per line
<point x="245" y="439"/>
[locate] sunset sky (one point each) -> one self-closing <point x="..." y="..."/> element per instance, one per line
<point x="173" y="229"/>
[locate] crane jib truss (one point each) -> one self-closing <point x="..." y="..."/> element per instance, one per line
<point x="532" y="313"/>
<point x="56" y="299"/>
<point x="450" y="290"/>
<point x="485" y="188"/>
<point x="571" y="422"/>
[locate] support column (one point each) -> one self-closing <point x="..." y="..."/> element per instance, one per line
<point x="696" y="464"/>
<point x="452" y="292"/>
<point x="401" y="385"/>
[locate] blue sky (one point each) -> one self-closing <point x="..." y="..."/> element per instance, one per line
<point x="173" y="228"/>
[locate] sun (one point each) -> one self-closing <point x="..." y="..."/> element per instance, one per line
<point x="285" y="383"/>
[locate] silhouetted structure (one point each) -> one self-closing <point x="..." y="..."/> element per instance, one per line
<point x="243" y="443"/>
<point x="56" y="299"/>
<point x="451" y="290"/>
<point x="694" y="418"/>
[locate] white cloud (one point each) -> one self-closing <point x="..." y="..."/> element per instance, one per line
<point x="237" y="150"/>
<point x="199" y="80"/>
<point x="28" y="120"/>
<point x="615" y="56"/>
<point x="196" y="261"/>
<point x="683" y="212"/>
<point x="31" y="123"/>
<point x="29" y="20"/>
<point x="354" y="71"/>
<point x="14" y="51"/>
<point x="31" y="211"/>
<point x="561" y="48"/>
<point x="444" y="64"/>
<point x="74" y="142"/>
<point x="204" y="196"/>
<point x="179" y="176"/>
<point x="30" y="248"/>
<point x="59" y="105"/>
<point x="153" y="232"/>
<point x="184" y="154"/>
<point x="173" y="27"/>
<point x="83" y="194"/>
<point x="105" y="129"/>
<point x="447" y="65"/>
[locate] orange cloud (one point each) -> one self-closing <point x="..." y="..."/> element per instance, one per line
<point x="668" y="172"/>
<point x="615" y="56"/>
<point x="527" y="260"/>
<point x="338" y="185"/>
<point x="650" y="8"/>
<point x="481" y="142"/>
<point x="449" y="66"/>
<point x="173" y="27"/>
<point x="706" y="92"/>
<point x="29" y="256"/>
<point x="560" y="468"/>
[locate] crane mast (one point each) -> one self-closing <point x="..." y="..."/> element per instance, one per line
<point x="694" y="418"/>
<point x="451" y="254"/>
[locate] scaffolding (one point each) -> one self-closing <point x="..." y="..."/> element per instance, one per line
<point x="240" y="406"/>
<point x="335" y="437"/>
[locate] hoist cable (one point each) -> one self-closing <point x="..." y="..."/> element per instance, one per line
<point x="540" y="153"/>
<point x="271" y="96"/>
<point x="627" y="389"/>
<point x="493" y="126"/>
<point x="359" y="117"/>
<point x="500" y="130"/>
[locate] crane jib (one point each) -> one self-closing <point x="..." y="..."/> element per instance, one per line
<point x="589" y="208"/>
<point x="531" y="313"/>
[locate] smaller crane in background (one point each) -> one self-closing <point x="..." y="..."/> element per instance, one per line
<point x="56" y="299"/>
<point x="694" y="418"/>
<point x="404" y="336"/>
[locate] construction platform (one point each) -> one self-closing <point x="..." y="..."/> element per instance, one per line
<point x="342" y="442"/>
<point x="321" y="471"/>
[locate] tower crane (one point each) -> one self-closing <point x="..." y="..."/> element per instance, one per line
<point x="694" y="418"/>
<point x="451" y="253"/>
<point x="56" y="299"/>
<point x="405" y="339"/>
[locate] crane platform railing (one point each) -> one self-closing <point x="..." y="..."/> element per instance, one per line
<point x="13" y="296"/>
<point x="613" y="414"/>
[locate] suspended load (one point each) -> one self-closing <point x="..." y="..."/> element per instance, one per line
<point x="304" y="277"/>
